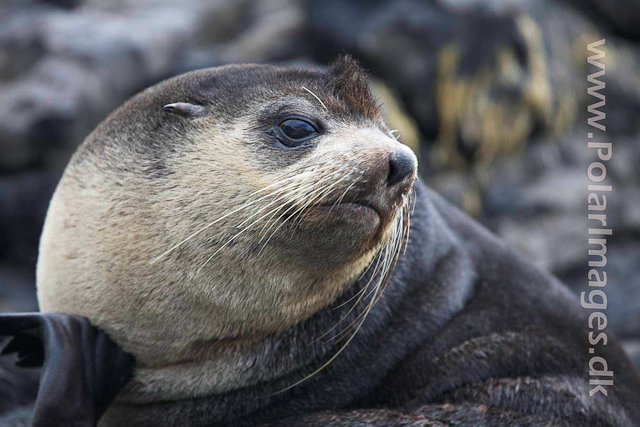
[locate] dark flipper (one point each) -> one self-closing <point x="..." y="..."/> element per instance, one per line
<point x="82" y="368"/>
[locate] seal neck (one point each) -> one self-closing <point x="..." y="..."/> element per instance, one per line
<point x="431" y="282"/>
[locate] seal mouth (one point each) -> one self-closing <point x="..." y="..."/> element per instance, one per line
<point x="353" y="206"/>
<point x="380" y="209"/>
<point x="350" y="210"/>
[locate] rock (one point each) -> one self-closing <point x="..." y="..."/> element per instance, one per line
<point x="618" y="16"/>
<point x="481" y="78"/>
<point x="401" y="124"/>
<point x="62" y="72"/>
<point x="24" y="199"/>
<point x="16" y="290"/>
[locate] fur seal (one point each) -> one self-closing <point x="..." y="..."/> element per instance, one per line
<point x="234" y="230"/>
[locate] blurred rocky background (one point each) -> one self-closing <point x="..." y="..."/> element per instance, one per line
<point x="490" y="94"/>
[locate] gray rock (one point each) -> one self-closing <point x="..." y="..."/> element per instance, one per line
<point x="62" y="72"/>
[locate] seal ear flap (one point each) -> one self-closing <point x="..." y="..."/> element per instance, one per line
<point x="185" y="109"/>
<point x="82" y="368"/>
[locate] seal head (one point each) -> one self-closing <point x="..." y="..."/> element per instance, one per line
<point x="222" y="206"/>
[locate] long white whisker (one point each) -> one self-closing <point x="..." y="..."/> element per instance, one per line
<point x="344" y="346"/>
<point x="232" y="239"/>
<point x="294" y="189"/>
<point x="293" y="215"/>
<point x="211" y="224"/>
<point x="206" y="227"/>
<point x="391" y="251"/>
<point x="328" y="190"/>
<point x="342" y="197"/>
<point x="293" y="206"/>
<point x="362" y="293"/>
<point x="316" y="97"/>
<point x="235" y="236"/>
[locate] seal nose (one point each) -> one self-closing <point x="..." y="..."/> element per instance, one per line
<point x="402" y="163"/>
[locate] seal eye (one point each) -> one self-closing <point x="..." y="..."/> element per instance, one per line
<point x="296" y="131"/>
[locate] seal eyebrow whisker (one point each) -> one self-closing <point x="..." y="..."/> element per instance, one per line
<point x="316" y="97"/>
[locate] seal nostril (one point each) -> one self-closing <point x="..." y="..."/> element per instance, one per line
<point x="401" y="165"/>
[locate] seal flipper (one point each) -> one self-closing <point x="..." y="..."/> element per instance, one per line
<point x="82" y="368"/>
